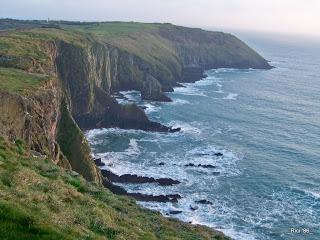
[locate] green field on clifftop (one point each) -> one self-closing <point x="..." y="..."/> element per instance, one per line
<point x="113" y="29"/>
<point x="15" y="80"/>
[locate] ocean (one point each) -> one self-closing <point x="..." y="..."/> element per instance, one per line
<point x="260" y="129"/>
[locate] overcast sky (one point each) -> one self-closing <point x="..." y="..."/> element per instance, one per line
<point x="288" y="16"/>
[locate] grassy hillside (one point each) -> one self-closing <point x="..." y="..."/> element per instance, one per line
<point x="15" y="80"/>
<point x="38" y="200"/>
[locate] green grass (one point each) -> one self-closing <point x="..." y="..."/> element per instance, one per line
<point x="35" y="205"/>
<point x="15" y="80"/>
<point x="31" y="49"/>
<point x="113" y="29"/>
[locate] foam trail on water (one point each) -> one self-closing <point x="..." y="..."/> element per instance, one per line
<point x="231" y="96"/>
<point x="185" y="127"/>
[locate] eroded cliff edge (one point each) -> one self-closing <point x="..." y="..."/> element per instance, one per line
<point x="66" y="74"/>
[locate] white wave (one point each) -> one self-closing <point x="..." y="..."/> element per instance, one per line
<point x="225" y="70"/>
<point x="94" y="133"/>
<point x="225" y="164"/>
<point x="185" y="127"/>
<point x="189" y="90"/>
<point x="205" y="81"/>
<point x="93" y="136"/>
<point x="133" y="95"/>
<point x="133" y="148"/>
<point x="231" y="96"/>
<point x="312" y="193"/>
<point x="231" y="70"/>
<point x="178" y="101"/>
<point x="149" y="107"/>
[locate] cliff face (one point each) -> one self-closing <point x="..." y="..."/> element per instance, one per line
<point x="32" y="118"/>
<point x="83" y="70"/>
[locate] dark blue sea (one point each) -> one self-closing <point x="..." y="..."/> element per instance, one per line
<point x="266" y="124"/>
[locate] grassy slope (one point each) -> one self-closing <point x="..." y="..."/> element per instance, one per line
<point x="38" y="200"/>
<point x="15" y="80"/>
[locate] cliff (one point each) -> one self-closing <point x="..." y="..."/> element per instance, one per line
<point x="58" y="78"/>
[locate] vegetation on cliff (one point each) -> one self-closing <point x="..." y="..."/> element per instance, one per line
<point x="16" y="80"/>
<point x="39" y="200"/>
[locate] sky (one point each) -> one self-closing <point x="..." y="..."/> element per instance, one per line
<point x="283" y="16"/>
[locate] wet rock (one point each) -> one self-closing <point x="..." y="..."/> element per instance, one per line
<point x="199" y="165"/>
<point x="129" y="178"/>
<point x="161" y="164"/>
<point x="173" y="198"/>
<point x="207" y="166"/>
<point x="173" y="130"/>
<point x="204" y="201"/>
<point x="218" y="154"/>
<point x="99" y="162"/>
<point x="216" y="173"/>
<point x="175" y="212"/>
<point x="152" y="198"/>
<point x="190" y="165"/>
<point x="167" y="181"/>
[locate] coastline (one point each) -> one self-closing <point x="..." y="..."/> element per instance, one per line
<point x="115" y="179"/>
<point x="66" y="85"/>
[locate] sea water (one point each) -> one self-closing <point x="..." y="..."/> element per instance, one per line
<point x="266" y="123"/>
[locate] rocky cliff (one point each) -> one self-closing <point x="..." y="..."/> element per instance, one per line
<point x="66" y="74"/>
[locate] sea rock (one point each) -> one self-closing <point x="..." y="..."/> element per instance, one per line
<point x="175" y="212"/>
<point x="190" y="165"/>
<point x="173" y="198"/>
<point x="152" y="198"/>
<point x="133" y="178"/>
<point x="173" y="130"/>
<point x="99" y="162"/>
<point x="204" y="201"/>
<point x="207" y="166"/>
<point x="152" y="90"/>
<point x="161" y="164"/>
<point x="218" y="154"/>
<point x="199" y="165"/>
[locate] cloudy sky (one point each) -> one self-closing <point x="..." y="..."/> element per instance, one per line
<point x="286" y="16"/>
